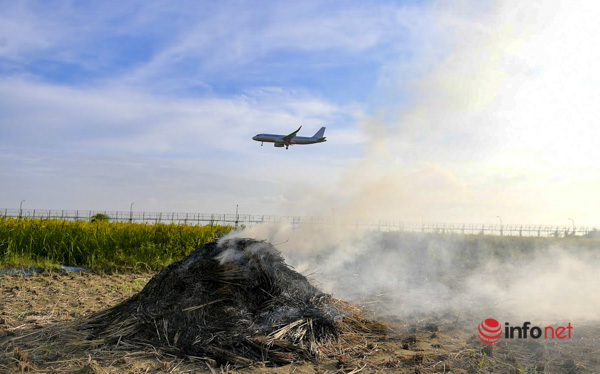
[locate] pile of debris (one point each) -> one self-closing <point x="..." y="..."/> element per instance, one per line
<point x="234" y="301"/>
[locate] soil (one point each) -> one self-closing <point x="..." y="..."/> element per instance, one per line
<point x="441" y="343"/>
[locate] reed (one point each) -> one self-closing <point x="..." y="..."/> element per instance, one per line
<point x="101" y="245"/>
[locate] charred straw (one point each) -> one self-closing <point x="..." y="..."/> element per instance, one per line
<point x="234" y="301"/>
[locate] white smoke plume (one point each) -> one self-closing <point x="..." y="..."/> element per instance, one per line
<point x="402" y="275"/>
<point x="493" y="114"/>
<point x="496" y="115"/>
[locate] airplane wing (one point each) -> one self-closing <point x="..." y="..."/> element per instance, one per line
<point x="289" y="137"/>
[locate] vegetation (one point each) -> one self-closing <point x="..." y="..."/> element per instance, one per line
<point x="99" y="245"/>
<point x="100" y="217"/>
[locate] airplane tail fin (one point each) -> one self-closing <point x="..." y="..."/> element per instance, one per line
<point x="319" y="133"/>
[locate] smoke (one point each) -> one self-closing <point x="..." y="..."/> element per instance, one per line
<point x="493" y="115"/>
<point x="402" y="275"/>
<point x="556" y="282"/>
<point x="492" y="112"/>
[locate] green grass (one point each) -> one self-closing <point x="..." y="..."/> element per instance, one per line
<point x="100" y="245"/>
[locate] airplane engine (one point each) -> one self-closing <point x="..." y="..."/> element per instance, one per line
<point x="278" y="145"/>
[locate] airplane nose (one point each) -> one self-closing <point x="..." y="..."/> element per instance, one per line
<point x="254" y="137"/>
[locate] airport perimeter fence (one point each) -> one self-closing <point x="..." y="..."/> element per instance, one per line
<point x="296" y="221"/>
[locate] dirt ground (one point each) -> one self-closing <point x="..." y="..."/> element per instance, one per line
<point x="45" y="306"/>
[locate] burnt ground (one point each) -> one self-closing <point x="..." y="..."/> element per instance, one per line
<point x="440" y="343"/>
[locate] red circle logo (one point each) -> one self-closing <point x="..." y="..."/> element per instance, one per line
<point x="489" y="331"/>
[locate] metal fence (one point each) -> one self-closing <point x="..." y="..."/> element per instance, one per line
<point x="296" y="221"/>
<point x="156" y="217"/>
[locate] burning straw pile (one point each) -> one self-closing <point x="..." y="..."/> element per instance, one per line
<point x="234" y="301"/>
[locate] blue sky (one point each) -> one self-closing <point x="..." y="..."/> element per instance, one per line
<point x="204" y="48"/>
<point x="107" y="103"/>
<point x="94" y="86"/>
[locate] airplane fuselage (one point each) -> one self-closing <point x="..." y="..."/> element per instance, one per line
<point x="271" y="138"/>
<point x="291" y="139"/>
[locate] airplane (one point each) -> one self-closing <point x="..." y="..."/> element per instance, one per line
<point x="291" y="139"/>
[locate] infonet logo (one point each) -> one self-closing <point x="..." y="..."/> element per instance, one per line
<point x="490" y="331"/>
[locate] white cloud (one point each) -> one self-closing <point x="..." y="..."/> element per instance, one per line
<point x="231" y="38"/>
<point x="110" y="119"/>
<point x="99" y="148"/>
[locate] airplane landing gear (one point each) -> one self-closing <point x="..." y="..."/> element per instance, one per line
<point x="286" y="146"/>
<point x="261" y="144"/>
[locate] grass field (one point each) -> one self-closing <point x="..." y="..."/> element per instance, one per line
<point x="426" y="340"/>
<point x="100" y="246"/>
